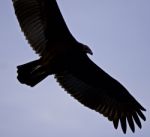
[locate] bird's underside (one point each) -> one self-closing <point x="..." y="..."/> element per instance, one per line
<point x="65" y="58"/>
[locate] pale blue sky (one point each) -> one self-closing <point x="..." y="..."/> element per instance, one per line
<point x="118" y="32"/>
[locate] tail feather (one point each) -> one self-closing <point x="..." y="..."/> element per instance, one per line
<point x="31" y="73"/>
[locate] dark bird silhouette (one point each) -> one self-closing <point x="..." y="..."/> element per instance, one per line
<point x="64" y="57"/>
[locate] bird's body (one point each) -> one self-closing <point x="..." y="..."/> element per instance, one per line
<point x="64" y="57"/>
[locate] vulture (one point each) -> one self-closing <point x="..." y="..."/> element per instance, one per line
<point x="62" y="56"/>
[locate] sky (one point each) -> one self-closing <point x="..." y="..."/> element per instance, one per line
<point x="118" y="32"/>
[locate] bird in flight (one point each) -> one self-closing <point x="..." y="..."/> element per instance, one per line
<point x="61" y="55"/>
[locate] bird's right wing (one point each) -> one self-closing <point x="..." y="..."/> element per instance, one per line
<point x="42" y="23"/>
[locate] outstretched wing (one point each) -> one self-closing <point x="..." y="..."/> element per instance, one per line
<point x="42" y="23"/>
<point x="95" y="89"/>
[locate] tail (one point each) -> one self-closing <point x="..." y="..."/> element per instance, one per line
<point x="31" y="73"/>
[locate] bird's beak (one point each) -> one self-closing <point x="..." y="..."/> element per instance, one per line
<point x="90" y="52"/>
<point x="87" y="50"/>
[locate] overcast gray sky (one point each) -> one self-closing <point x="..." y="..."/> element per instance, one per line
<point x="118" y="32"/>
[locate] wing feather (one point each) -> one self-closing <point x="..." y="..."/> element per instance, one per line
<point x="42" y="24"/>
<point x="29" y="17"/>
<point x="131" y="123"/>
<point x="120" y="106"/>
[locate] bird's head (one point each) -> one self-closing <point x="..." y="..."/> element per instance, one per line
<point x="86" y="49"/>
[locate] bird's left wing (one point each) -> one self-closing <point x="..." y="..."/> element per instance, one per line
<point x="95" y="89"/>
